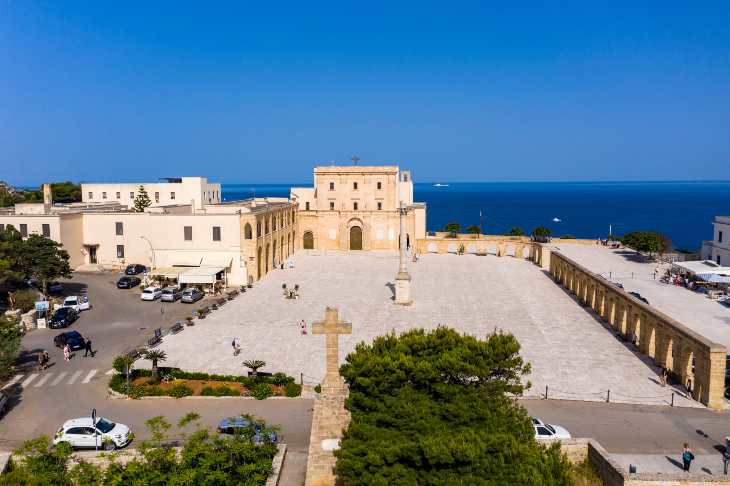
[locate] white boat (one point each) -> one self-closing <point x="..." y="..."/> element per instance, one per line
<point x="557" y="220"/>
<point x="440" y="185"/>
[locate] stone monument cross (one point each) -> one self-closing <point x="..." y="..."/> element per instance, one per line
<point x="332" y="327"/>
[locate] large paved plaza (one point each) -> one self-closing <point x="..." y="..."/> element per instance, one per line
<point x="571" y="352"/>
<point x="636" y="274"/>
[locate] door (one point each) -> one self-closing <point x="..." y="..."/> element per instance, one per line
<point x="308" y="240"/>
<point x="355" y="238"/>
<point x="92" y="254"/>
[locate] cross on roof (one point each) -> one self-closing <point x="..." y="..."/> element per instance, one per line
<point x="332" y="327"/>
<point x="355" y="159"/>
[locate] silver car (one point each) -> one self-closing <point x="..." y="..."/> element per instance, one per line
<point x="191" y="295"/>
<point x="171" y="294"/>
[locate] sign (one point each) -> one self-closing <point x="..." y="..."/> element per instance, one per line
<point x="42" y="305"/>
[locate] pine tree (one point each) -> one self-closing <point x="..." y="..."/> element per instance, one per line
<point x="142" y="200"/>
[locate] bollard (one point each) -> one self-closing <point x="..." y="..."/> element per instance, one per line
<point x="672" y="404"/>
<point x="546" y="392"/>
<point x="301" y="378"/>
<point x="608" y="396"/>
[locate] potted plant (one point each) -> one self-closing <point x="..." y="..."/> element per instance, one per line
<point x="189" y="321"/>
<point x="201" y="313"/>
<point x="461" y="249"/>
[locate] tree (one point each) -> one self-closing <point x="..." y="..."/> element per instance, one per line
<point x="647" y="242"/>
<point x="44" y="260"/>
<point x="438" y="408"/>
<point x="66" y="192"/>
<point x="155" y="355"/>
<point x="142" y="200"/>
<point x="254" y="364"/>
<point x="10" y="336"/>
<point x="473" y="229"/>
<point x="516" y="231"/>
<point x="452" y="228"/>
<point x="10" y="249"/>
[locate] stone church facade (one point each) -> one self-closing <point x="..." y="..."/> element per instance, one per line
<point x="357" y="208"/>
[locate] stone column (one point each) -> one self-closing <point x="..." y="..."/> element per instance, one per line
<point x="403" y="278"/>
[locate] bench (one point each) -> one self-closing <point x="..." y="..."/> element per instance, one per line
<point x="156" y="339"/>
<point x="220" y="302"/>
<point x="232" y="294"/>
<point x="177" y="327"/>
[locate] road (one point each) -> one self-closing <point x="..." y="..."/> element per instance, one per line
<point x="119" y="320"/>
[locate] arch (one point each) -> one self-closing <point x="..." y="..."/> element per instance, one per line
<point x="355" y="238"/>
<point x="273" y="255"/>
<point x="471" y="248"/>
<point x="247" y="233"/>
<point x="273" y="222"/>
<point x="282" y="250"/>
<point x="452" y="248"/>
<point x="308" y="241"/>
<point x="266" y="226"/>
<point x="258" y="228"/>
<point x="268" y="252"/>
<point x="258" y="264"/>
<point x="432" y="248"/>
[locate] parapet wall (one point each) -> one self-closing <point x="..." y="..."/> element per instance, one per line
<point x="475" y="244"/>
<point x="690" y="357"/>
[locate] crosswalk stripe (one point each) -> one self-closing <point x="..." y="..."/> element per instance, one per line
<point x="28" y="380"/>
<point x="43" y="379"/>
<point x="89" y="376"/>
<point x="13" y="381"/>
<point x="59" y="378"/>
<point x="74" y="377"/>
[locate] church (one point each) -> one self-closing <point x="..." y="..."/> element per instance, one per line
<point x="357" y="208"/>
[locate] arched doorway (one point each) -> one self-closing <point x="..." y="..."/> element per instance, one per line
<point x="268" y="251"/>
<point x="258" y="263"/>
<point x="308" y="240"/>
<point x="356" y="238"/>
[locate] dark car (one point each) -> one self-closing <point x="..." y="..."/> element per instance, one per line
<point x="135" y="269"/>
<point x="63" y="317"/>
<point x="638" y="296"/>
<point x="127" y="282"/>
<point x="73" y="338"/>
<point x="241" y="425"/>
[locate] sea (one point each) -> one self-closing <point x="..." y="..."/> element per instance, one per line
<point x="682" y="210"/>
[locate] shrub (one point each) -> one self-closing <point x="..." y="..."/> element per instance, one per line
<point x="207" y="391"/>
<point x="293" y="390"/>
<point x="226" y="391"/>
<point x="137" y="391"/>
<point x="118" y="384"/>
<point x="120" y="363"/>
<point x="180" y="390"/>
<point x="281" y="379"/>
<point x="24" y="299"/>
<point x="318" y="389"/>
<point x="154" y="391"/>
<point x="262" y="391"/>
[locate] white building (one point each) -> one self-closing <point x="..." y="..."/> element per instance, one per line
<point x="718" y="250"/>
<point x="196" y="191"/>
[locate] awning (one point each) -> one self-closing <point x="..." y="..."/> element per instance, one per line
<point x="714" y="278"/>
<point x="216" y="261"/>
<point x="186" y="260"/>
<point x="167" y="272"/>
<point x="200" y="275"/>
<point x="702" y="267"/>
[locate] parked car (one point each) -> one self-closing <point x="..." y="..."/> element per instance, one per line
<point x="135" y="269"/>
<point x="151" y="293"/>
<point x="63" y="317"/>
<point x="241" y="425"/>
<point x="171" y="294"/>
<point x="74" y="339"/>
<point x="3" y="402"/>
<point x="128" y="282"/>
<point x="77" y="303"/>
<point x="82" y="433"/>
<point x="191" y="295"/>
<point x="549" y="431"/>
<point x="638" y="296"/>
<point x="55" y="287"/>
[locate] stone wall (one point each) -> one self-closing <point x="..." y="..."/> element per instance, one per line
<point x="691" y="358"/>
<point x="517" y="246"/>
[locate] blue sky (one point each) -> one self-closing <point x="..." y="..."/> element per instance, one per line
<point x="455" y="91"/>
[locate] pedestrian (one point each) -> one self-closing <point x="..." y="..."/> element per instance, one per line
<point x="66" y="353"/>
<point x="40" y="361"/>
<point x="303" y="327"/>
<point x="663" y="377"/>
<point x="233" y="345"/>
<point x="87" y="349"/>
<point x="687" y="457"/>
<point x="236" y="343"/>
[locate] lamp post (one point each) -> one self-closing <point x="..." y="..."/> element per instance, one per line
<point x="151" y="249"/>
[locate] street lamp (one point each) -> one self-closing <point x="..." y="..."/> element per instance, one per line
<point x="151" y="249"/>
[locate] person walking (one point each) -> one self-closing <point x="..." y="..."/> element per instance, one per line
<point x="40" y="361"/>
<point x="66" y="353"/>
<point x="687" y="457"/>
<point x="87" y="349"/>
<point x="303" y="327"/>
<point x="663" y="377"/>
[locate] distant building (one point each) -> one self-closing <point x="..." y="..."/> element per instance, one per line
<point x="718" y="250"/>
<point x="356" y="208"/>
<point x="172" y="190"/>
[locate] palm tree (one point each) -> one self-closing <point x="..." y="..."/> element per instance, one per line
<point x="155" y="355"/>
<point x="254" y="364"/>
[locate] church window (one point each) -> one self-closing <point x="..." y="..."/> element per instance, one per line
<point x="380" y="206"/>
<point x="354" y="186"/>
<point x="380" y="185"/>
<point x="332" y="205"/>
<point x="354" y="206"/>
<point x="332" y="186"/>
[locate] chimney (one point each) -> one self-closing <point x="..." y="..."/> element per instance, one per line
<point x="47" y="198"/>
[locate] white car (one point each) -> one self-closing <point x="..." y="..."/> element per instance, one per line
<point x="151" y="293"/>
<point x="549" y="431"/>
<point x="77" y="303"/>
<point x="83" y="433"/>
